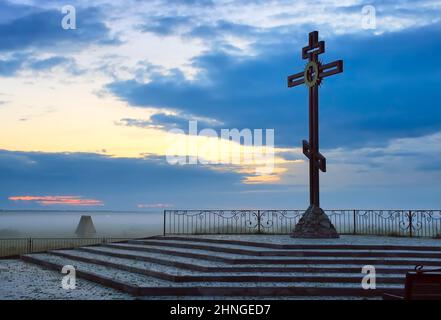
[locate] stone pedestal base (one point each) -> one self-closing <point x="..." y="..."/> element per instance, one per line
<point x="314" y="224"/>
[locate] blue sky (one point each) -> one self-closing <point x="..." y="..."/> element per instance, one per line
<point x="85" y="112"/>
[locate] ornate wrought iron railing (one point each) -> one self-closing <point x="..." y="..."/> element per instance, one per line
<point x="404" y="223"/>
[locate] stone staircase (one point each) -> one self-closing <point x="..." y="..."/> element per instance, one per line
<point x="201" y="266"/>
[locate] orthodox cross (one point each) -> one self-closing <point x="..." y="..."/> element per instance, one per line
<point x="312" y="76"/>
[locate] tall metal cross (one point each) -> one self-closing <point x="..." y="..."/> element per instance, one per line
<point x="312" y="76"/>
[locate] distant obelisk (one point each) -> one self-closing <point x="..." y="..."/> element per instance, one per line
<point x="85" y="228"/>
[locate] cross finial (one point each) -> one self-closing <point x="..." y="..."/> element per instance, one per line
<point x="314" y="48"/>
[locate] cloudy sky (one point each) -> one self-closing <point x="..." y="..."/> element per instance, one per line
<point x="87" y="114"/>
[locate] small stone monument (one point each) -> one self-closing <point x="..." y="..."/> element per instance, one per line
<point x="85" y="228"/>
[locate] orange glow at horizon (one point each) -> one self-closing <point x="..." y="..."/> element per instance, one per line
<point x="59" y="200"/>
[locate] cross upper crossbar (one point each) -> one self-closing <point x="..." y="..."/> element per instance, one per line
<point x="325" y="70"/>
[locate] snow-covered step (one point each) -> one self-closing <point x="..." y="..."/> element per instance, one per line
<point x="241" y="259"/>
<point x="178" y="275"/>
<point x="298" y="252"/>
<point x="254" y="246"/>
<point x="202" y="265"/>
<point x="347" y="242"/>
<point x="145" y="285"/>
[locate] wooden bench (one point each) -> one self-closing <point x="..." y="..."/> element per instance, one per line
<point x="420" y="285"/>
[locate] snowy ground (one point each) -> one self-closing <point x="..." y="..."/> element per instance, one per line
<point x="23" y="281"/>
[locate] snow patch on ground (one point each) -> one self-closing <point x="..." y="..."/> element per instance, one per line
<point x="23" y="281"/>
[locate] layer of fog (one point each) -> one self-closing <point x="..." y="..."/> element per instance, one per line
<point x="15" y="224"/>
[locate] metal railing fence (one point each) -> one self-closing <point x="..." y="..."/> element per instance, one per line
<point x="404" y="223"/>
<point x="17" y="246"/>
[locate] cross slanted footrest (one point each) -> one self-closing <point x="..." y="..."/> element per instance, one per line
<point x="317" y="157"/>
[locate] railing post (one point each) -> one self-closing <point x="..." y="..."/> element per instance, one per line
<point x="355" y="221"/>
<point x="410" y="224"/>
<point x="29" y="249"/>
<point x="164" y="223"/>
<point x="258" y="222"/>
